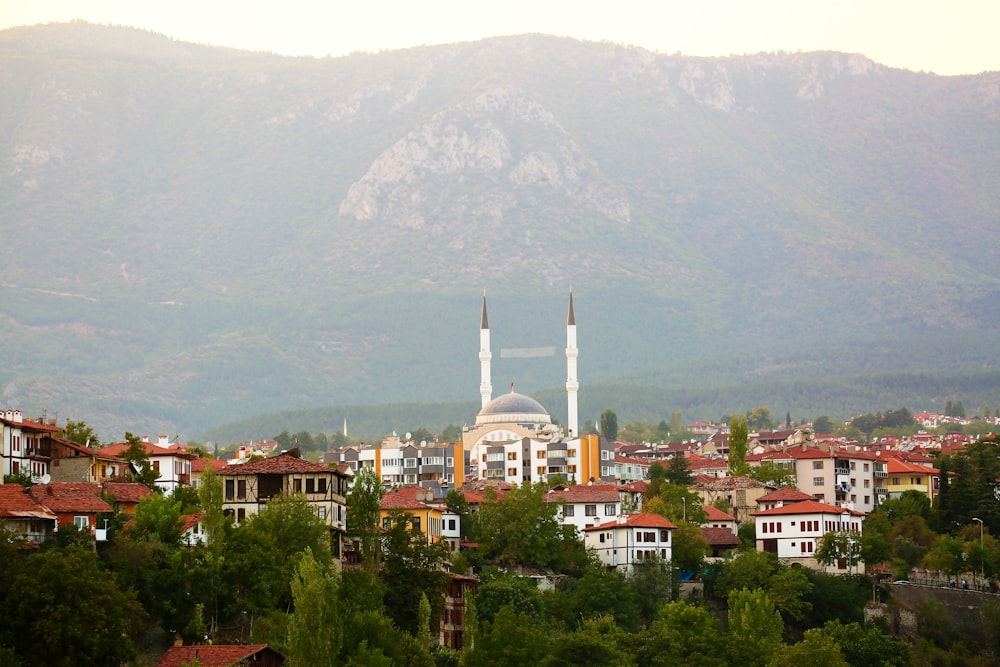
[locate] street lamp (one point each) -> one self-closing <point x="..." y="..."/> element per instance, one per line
<point x="982" y="554"/>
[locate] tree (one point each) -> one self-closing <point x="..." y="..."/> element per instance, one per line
<point x="684" y="634"/>
<point x="867" y="644"/>
<point x="157" y="518"/>
<point x="596" y="642"/>
<point x="511" y="639"/>
<point x="81" y="434"/>
<point x="755" y="627"/>
<point x="364" y="519"/>
<point x="759" y="419"/>
<point x="837" y="546"/>
<point x="210" y="496"/>
<point x="523" y="528"/>
<point x="451" y="433"/>
<point x="263" y="553"/>
<point x="771" y="473"/>
<point x="823" y="424"/>
<point x="411" y="568"/>
<point x="816" y="650"/>
<point x="609" y="425"/>
<point x="315" y="631"/>
<point x="65" y="597"/>
<point x="678" y="471"/>
<point x="689" y="548"/>
<point x="137" y="455"/>
<point x="738" y="433"/>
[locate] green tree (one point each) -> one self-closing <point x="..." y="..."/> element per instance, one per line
<point x="738" y="433"/>
<point x="755" y="627"/>
<point x="210" y="496"/>
<point x="315" y="631"/>
<point x="157" y="518"/>
<point x="411" y="567"/>
<point x="759" y="419"/>
<point x="596" y="642"/>
<point x="771" y="473"/>
<point x="523" y="528"/>
<point x="263" y="553"/>
<point x="609" y="425"/>
<point x="823" y="424"/>
<point x="137" y="455"/>
<point x="867" y="644"/>
<point x="511" y="639"/>
<point x="497" y="590"/>
<point x="684" y="634"/>
<point x="67" y="598"/>
<point x="816" y="650"/>
<point x="451" y="433"/>
<point x="689" y="548"/>
<point x="836" y="546"/>
<point x="679" y="472"/>
<point x="364" y="522"/>
<point x="81" y="434"/>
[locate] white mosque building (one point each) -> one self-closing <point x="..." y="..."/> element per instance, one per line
<point x="514" y="440"/>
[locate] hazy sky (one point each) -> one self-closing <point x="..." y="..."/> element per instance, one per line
<point x="947" y="37"/>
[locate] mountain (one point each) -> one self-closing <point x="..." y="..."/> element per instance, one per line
<point x="194" y="235"/>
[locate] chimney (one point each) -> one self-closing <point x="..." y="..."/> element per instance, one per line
<point x="18" y="416"/>
<point x="145" y="439"/>
<point x="163" y="440"/>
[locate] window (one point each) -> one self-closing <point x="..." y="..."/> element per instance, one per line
<point x="609" y="510"/>
<point x="241" y="489"/>
<point x="895" y="481"/>
<point x="321" y="485"/>
<point x="230" y="489"/>
<point x="817" y="465"/>
<point x="664" y="537"/>
<point x="512" y="456"/>
<point x="590" y="510"/>
<point x="386" y="523"/>
<point x="241" y="515"/>
<point x="818" y="481"/>
<point x="602" y="537"/>
<point x="605" y="455"/>
<point x="451" y="524"/>
<point x="321" y="511"/>
<point x="570" y="510"/>
<point x="540" y="454"/>
<point x="571" y="469"/>
<point x="511" y="472"/>
<point x="297" y="485"/>
<point x="867" y="483"/>
<point x="867" y="501"/>
<point x="156" y="466"/>
<point x="540" y="470"/>
<point x="571" y="453"/>
<point x="650" y="536"/>
<point x="854" y="465"/>
<point x="450" y="462"/>
<point x="81" y="523"/>
<point x="410" y="463"/>
<point x="416" y="522"/>
<point x="866" y="467"/>
<point x="409" y="479"/>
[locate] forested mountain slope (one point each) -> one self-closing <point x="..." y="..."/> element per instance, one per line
<point x="193" y="235"/>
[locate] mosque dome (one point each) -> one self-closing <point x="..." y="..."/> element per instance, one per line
<point x="513" y="408"/>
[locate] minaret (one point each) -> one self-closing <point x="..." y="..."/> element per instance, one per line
<point x="572" y="385"/>
<point x="485" y="388"/>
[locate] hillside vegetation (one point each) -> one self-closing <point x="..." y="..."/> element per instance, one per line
<point x="193" y="236"/>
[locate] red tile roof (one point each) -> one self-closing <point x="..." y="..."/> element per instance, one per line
<point x="895" y="467"/>
<point x="118" y="448"/>
<point x="212" y="656"/>
<point x="63" y="497"/>
<point x="786" y="494"/>
<point x="807" y="507"/>
<point x="719" y="537"/>
<point x="189" y="521"/>
<point x="715" y="514"/>
<point x="641" y="520"/>
<point x="17" y="503"/>
<point x="126" y="492"/>
<point x="598" y="493"/>
<point x="202" y="462"/>
<point x="727" y="483"/>
<point x="282" y="464"/>
<point x="405" y="498"/>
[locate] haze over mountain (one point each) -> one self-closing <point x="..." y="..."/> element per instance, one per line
<point x="194" y="235"/>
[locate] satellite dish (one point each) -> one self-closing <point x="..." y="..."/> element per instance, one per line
<point x="46" y="478"/>
<point x="420" y="496"/>
<point x="408" y="436"/>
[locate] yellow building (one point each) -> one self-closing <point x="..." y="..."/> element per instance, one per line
<point x="419" y="504"/>
<point x="905" y="476"/>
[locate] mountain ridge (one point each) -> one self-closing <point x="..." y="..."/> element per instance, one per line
<point x="243" y="233"/>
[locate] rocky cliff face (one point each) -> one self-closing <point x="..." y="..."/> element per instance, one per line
<point x="486" y="154"/>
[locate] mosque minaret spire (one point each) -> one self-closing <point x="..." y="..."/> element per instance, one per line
<point x="485" y="387"/>
<point x="572" y="383"/>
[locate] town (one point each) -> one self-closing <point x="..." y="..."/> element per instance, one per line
<point x="521" y="541"/>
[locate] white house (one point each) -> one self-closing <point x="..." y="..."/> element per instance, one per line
<point x="631" y="539"/>
<point x="793" y="531"/>
<point x="585" y="506"/>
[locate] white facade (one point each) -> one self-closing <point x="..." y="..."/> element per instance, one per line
<point x="630" y="540"/>
<point x="792" y="532"/>
<point x="587" y="506"/>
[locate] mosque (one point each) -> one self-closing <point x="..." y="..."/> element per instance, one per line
<point x="514" y="439"/>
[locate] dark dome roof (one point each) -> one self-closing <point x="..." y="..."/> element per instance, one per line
<point x="517" y="407"/>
